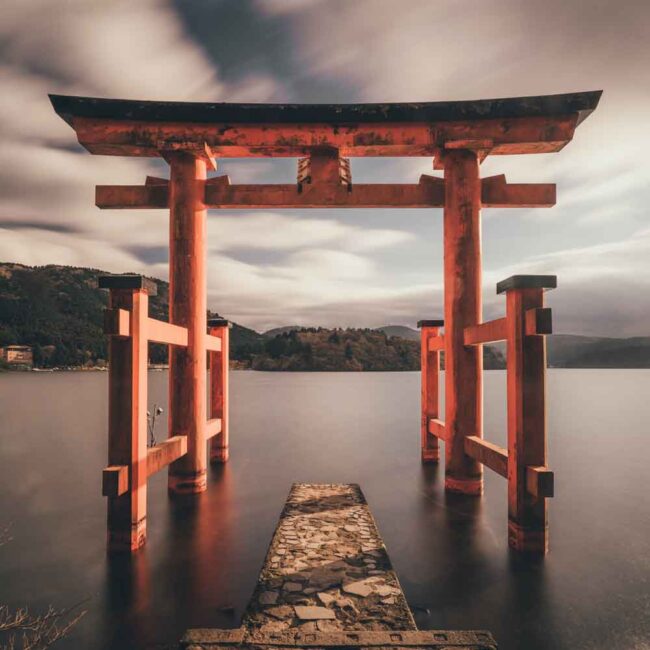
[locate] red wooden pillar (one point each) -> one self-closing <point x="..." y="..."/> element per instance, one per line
<point x="526" y="372"/>
<point x="219" y="361"/>
<point x="463" y="365"/>
<point x="127" y="406"/>
<point x="430" y="369"/>
<point x="188" y="308"/>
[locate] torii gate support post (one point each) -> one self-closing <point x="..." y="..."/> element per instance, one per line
<point x="430" y="371"/>
<point x="463" y="365"/>
<point x="219" y="362"/>
<point x="127" y="414"/>
<point x="526" y="378"/>
<point x="188" y="308"/>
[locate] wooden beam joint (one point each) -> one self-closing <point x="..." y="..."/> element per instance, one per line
<point x="488" y="454"/>
<point x="436" y="428"/>
<point x="494" y="330"/>
<point x="213" y="427"/>
<point x="540" y="481"/>
<point x="161" y="332"/>
<point x="436" y="343"/>
<point x="117" y="322"/>
<point x="212" y="343"/>
<point x="165" y="453"/>
<point x="170" y="148"/>
<point x="115" y="480"/>
<point x="539" y="321"/>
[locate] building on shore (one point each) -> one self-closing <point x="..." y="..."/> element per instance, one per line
<point x="17" y="355"/>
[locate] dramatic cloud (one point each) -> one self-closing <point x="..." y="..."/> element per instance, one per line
<point x="364" y="267"/>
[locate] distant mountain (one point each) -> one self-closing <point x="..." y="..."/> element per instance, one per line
<point x="323" y="349"/>
<point x="320" y="349"/>
<point x="276" y="331"/>
<point x="400" y="330"/>
<point x="575" y="351"/>
<point x="570" y="351"/>
<point x="59" y="311"/>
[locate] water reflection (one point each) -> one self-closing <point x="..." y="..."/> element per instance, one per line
<point x="203" y="554"/>
<point x="128" y="598"/>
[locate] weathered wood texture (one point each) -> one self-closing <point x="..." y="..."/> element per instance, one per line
<point x="115" y="480"/>
<point x="165" y="453"/>
<point x="463" y="365"/>
<point x="526" y="379"/>
<point x="509" y="136"/>
<point x="437" y="428"/>
<point x="327" y="582"/>
<point x="322" y="192"/>
<point x="494" y="330"/>
<point x="430" y="397"/>
<point x="212" y="428"/>
<point x="219" y="361"/>
<point x="161" y="332"/>
<point x="188" y="309"/>
<point x="127" y="422"/>
<point x="486" y="453"/>
<point x="337" y="115"/>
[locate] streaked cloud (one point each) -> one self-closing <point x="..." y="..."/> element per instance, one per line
<point x="364" y="267"/>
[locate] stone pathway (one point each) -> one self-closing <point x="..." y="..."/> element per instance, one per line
<point x="327" y="568"/>
<point x="327" y="584"/>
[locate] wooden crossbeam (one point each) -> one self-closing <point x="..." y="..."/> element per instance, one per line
<point x="162" y="332"/>
<point x="428" y="193"/>
<point x="437" y="428"/>
<point x="508" y="136"/>
<point x="539" y="481"/>
<point x="213" y="428"/>
<point x="497" y="193"/>
<point x="212" y="343"/>
<point x="132" y="196"/>
<point x="539" y="321"/>
<point x="488" y="454"/>
<point x="115" y="480"/>
<point x="494" y="330"/>
<point x="117" y="322"/>
<point x="437" y="343"/>
<point x="165" y="453"/>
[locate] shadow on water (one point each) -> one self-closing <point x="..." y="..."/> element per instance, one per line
<point x="203" y="555"/>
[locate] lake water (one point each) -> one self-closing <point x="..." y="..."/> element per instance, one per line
<point x="204" y="553"/>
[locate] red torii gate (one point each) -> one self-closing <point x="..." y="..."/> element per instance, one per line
<point x="458" y="136"/>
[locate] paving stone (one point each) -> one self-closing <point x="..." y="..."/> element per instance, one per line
<point x="274" y="626"/>
<point x="282" y="612"/>
<point x="358" y="589"/>
<point x="322" y="562"/>
<point x="328" y="625"/>
<point x="268" y="598"/>
<point x="314" y="613"/>
<point x="326" y="598"/>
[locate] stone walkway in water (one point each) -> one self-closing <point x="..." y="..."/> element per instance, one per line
<point x="327" y="568"/>
<point x="327" y="584"/>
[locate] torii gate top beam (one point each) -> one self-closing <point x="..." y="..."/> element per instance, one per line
<point x="514" y="125"/>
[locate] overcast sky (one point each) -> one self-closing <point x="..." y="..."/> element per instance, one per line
<point x="339" y="267"/>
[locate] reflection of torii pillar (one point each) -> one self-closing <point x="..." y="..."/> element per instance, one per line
<point x="188" y="308"/>
<point x="463" y="365"/>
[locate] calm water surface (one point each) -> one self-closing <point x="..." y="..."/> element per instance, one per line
<point x="203" y="554"/>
